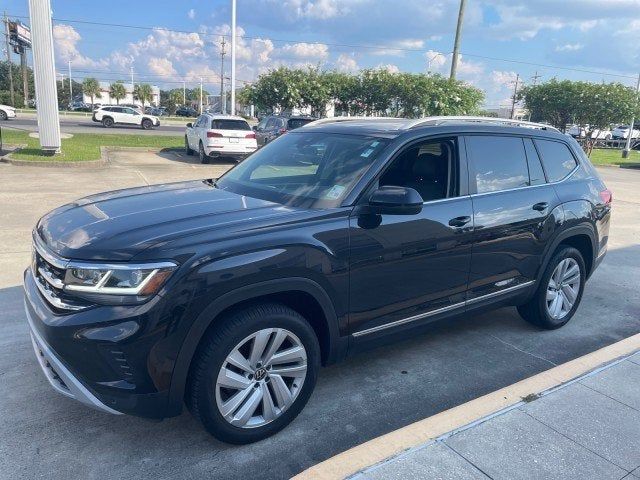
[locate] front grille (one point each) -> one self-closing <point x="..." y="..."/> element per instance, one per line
<point x="48" y="271"/>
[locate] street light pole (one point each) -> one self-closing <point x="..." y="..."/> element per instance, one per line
<point x="515" y="96"/>
<point x="70" y="84"/>
<point x="201" y="95"/>
<point x="184" y="93"/>
<point x="44" y="72"/>
<point x="233" y="57"/>
<point x="133" y="86"/>
<point x="431" y="59"/>
<point x="456" y="43"/>
<point x="627" y="147"/>
<point x="223" y="101"/>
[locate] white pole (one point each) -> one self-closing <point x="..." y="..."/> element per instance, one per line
<point x="627" y="147"/>
<point x="233" y="57"/>
<point x="201" y="95"/>
<point x="70" y="85"/>
<point x="133" y="86"/>
<point x="44" y="72"/>
<point x="184" y="93"/>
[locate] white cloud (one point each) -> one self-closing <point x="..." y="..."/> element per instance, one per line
<point x="65" y="39"/>
<point x="346" y="63"/>
<point x="312" y="51"/>
<point x="569" y="47"/>
<point x="389" y="68"/>
<point x="436" y="59"/>
<point x="161" y="66"/>
<point x="502" y="79"/>
<point x="191" y="14"/>
<point x="318" y="9"/>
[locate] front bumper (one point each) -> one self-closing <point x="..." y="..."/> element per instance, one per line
<point x="59" y="376"/>
<point x="113" y="358"/>
<point x="11" y="113"/>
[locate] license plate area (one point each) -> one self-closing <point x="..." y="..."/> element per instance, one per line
<point x="234" y="140"/>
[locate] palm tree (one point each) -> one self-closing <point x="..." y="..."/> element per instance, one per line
<point x="117" y="91"/>
<point x="91" y="87"/>
<point x="143" y="92"/>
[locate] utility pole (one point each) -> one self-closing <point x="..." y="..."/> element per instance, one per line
<point x="233" y="57"/>
<point x="515" y="96"/>
<point x="25" y="78"/>
<point x="6" y="27"/>
<point x="200" y="95"/>
<point x="627" y="147"/>
<point x="70" y="85"/>
<point x="223" y="101"/>
<point x="534" y="82"/>
<point x="44" y="71"/>
<point x="456" y="43"/>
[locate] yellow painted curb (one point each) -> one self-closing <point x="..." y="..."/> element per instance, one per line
<point x="376" y="450"/>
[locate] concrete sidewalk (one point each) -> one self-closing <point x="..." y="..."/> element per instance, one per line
<point x="587" y="429"/>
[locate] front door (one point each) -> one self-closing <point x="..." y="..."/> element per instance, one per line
<point x="405" y="269"/>
<point x="515" y="214"/>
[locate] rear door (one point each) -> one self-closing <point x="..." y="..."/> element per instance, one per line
<point x="514" y="213"/>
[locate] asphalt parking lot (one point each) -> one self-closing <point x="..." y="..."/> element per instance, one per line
<point x="43" y="434"/>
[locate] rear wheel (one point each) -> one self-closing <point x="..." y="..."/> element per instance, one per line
<point x="187" y="149"/>
<point x="253" y="373"/>
<point x="559" y="293"/>
<point x="107" y="122"/>
<point x="204" y="158"/>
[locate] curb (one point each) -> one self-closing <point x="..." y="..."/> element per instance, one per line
<point x="374" y="451"/>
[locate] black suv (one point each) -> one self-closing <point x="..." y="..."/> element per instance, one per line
<point x="273" y="126"/>
<point x="229" y="294"/>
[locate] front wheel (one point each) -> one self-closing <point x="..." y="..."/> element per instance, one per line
<point x="147" y="124"/>
<point x="559" y="293"/>
<point x="253" y="373"/>
<point x="3" y="115"/>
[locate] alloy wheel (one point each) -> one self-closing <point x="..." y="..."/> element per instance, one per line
<point x="563" y="288"/>
<point x="261" y="378"/>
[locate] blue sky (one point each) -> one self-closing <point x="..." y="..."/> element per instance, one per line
<point x="578" y="35"/>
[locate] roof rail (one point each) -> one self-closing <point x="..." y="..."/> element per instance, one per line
<point x="322" y="121"/>
<point x="471" y="119"/>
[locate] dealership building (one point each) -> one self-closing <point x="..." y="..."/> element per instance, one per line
<point x="105" y="98"/>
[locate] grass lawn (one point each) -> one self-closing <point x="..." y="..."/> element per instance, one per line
<point x="603" y="156"/>
<point x="84" y="146"/>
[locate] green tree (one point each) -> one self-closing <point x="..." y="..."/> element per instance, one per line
<point x="117" y="91"/>
<point x="143" y="93"/>
<point x="63" y="92"/>
<point x="561" y="102"/>
<point x="91" y="88"/>
<point x="17" y="83"/>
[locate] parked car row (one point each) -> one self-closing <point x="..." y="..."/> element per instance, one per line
<point x="620" y="132"/>
<point x="273" y="126"/>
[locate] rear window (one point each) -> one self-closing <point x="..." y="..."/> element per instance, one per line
<point x="499" y="163"/>
<point x="230" y="125"/>
<point x="557" y="159"/>
<point x="294" y="123"/>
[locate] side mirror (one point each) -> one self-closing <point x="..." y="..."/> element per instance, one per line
<point x="396" y="201"/>
<point x="189" y="124"/>
<point x="254" y="128"/>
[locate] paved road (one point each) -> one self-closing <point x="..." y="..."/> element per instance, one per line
<point x="45" y="434"/>
<point x="78" y="124"/>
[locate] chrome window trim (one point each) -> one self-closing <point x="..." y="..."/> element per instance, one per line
<point x="440" y="310"/>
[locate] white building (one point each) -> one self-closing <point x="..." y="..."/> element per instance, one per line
<point x="105" y="98"/>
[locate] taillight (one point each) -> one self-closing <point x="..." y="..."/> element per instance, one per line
<point x="250" y="135"/>
<point x="606" y="196"/>
<point x="282" y="130"/>
<point x="214" y="135"/>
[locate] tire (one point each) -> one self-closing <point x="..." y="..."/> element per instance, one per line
<point x="204" y="158"/>
<point x="3" y="115"/>
<point x="538" y="311"/>
<point x="204" y="394"/>
<point x="107" y="122"/>
<point x="146" y="124"/>
<point x="187" y="150"/>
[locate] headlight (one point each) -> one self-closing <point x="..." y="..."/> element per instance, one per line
<point x="117" y="279"/>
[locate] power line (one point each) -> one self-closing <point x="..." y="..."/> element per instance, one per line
<point x="345" y="45"/>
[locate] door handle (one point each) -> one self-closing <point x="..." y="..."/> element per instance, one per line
<point x="459" y="221"/>
<point x="540" y="207"/>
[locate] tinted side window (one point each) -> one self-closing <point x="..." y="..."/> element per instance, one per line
<point x="536" y="173"/>
<point x="499" y="162"/>
<point x="557" y="159"/>
<point x="271" y="124"/>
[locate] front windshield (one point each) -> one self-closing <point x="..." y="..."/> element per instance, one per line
<point x="306" y="169"/>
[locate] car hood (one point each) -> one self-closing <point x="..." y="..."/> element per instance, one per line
<point x="116" y="226"/>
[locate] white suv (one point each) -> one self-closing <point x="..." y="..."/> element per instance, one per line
<point x="219" y="136"/>
<point x="7" y="112"/>
<point x="110" y="115"/>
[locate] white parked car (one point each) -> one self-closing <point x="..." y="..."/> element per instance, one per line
<point x="110" y="115"/>
<point x="622" y="132"/>
<point x="600" y="134"/>
<point x="577" y="131"/>
<point x="7" y="112"/>
<point x="214" y="135"/>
